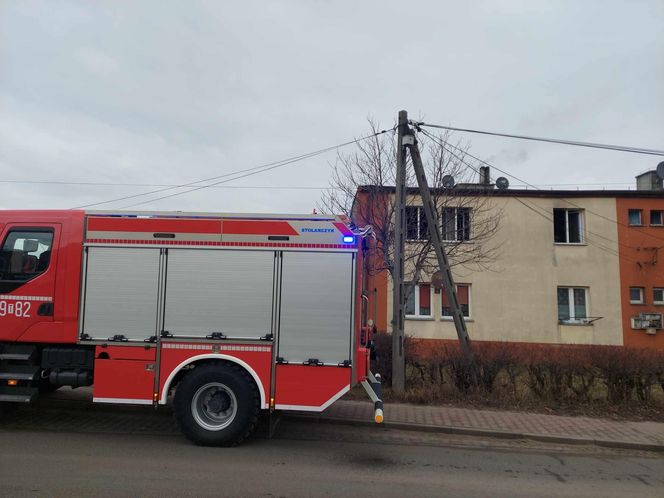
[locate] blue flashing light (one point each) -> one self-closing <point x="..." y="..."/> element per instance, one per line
<point x="349" y="239"/>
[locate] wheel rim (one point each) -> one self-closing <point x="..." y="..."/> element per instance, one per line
<point x="214" y="406"/>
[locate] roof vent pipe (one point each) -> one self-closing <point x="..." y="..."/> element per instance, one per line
<point x="485" y="176"/>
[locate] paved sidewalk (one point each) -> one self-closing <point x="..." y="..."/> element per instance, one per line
<point x="549" y="428"/>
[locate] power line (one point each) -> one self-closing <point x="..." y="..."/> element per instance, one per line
<point x="617" y="222"/>
<point x="266" y="187"/>
<point x="249" y="171"/>
<point x="173" y="185"/>
<point x="535" y="208"/>
<point x="577" y="143"/>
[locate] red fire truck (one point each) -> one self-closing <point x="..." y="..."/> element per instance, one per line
<point x="224" y="315"/>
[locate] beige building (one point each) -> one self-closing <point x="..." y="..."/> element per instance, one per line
<point x="552" y="274"/>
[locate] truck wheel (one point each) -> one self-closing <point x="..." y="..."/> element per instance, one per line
<point x="217" y="405"/>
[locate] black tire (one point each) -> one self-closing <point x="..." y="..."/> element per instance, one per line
<point x="217" y="404"/>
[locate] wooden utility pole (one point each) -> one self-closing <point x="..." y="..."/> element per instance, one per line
<point x="443" y="262"/>
<point x="398" y="311"/>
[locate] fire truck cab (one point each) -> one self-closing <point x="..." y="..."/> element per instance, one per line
<point x="224" y="315"/>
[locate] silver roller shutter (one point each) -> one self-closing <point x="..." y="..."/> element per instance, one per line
<point x="316" y="299"/>
<point x="223" y="291"/>
<point x="121" y="293"/>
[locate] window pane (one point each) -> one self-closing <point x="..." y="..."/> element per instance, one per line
<point x="424" y="226"/>
<point x="463" y="292"/>
<point x="410" y="299"/>
<point x="449" y="229"/>
<point x="463" y="224"/>
<point x="656" y="217"/>
<point x="574" y="226"/>
<point x="411" y="222"/>
<point x="563" y="303"/>
<point x="635" y="294"/>
<point x="658" y="295"/>
<point x="635" y="217"/>
<point x="24" y="255"/>
<point x="580" y="303"/>
<point x="425" y="300"/>
<point x="559" y="226"/>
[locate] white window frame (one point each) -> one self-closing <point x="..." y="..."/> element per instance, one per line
<point x="582" y="227"/>
<point x="642" y="299"/>
<point x="573" y="320"/>
<point x="456" y="224"/>
<point x="470" y="303"/>
<point x="629" y="221"/>
<point x="421" y="216"/>
<point x="656" y="301"/>
<point x="416" y="294"/>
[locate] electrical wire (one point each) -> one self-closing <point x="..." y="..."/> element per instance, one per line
<point x="617" y="222"/>
<point x="589" y="240"/>
<point x="577" y="143"/>
<point x="249" y="171"/>
<point x="174" y="185"/>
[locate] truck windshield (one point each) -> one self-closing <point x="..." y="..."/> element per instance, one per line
<point x="25" y="254"/>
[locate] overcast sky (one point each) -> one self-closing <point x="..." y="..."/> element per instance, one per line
<point x="161" y="92"/>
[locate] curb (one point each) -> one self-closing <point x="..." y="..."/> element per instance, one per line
<point x="468" y="431"/>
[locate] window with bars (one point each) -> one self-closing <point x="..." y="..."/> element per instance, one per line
<point x="418" y="302"/>
<point x="463" y="296"/>
<point x="455" y="223"/>
<point x="416" y="223"/>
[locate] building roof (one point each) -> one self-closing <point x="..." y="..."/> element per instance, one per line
<point x="478" y="189"/>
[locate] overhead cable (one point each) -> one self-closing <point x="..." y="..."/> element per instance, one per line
<point x="577" y="143"/>
<point x="249" y="171"/>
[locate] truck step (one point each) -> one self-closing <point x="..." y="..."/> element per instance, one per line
<point x="16" y="398"/>
<point x="17" y="352"/>
<point x="18" y="375"/>
<point x="16" y="356"/>
<point x="19" y="394"/>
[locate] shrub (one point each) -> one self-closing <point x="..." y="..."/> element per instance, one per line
<point x="560" y="374"/>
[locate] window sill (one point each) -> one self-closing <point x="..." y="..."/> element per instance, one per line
<point x="656" y="225"/>
<point x="635" y="225"/>
<point x="419" y="318"/>
<point x="450" y="319"/>
<point x="575" y="324"/>
<point x="637" y="303"/>
<point x="570" y="244"/>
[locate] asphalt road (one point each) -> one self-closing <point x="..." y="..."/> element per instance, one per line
<point x="64" y="450"/>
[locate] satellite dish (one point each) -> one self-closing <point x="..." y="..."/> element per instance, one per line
<point x="502" y="183"/>
<point x="448" y="181"/>
<point x="660" y="170"/>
